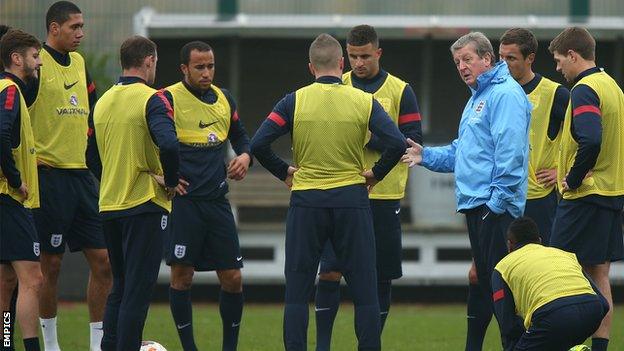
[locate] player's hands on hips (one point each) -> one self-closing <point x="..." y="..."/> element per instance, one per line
<point x="547" y="176"/>
<point x="413" y="154"/>
<point x="179" y="189"/>
<point x="237" y="169"/>
<point x="289" y="178"/>
<point x="564" y="182"/>
<point x="370" y="179"/>
<point x="23" y="189"/>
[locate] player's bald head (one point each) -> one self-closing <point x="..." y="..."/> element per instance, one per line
<point x="325" y="52"/>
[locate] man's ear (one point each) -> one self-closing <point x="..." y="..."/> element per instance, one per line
<point x="148" y="61"/>
<point x="17" y="59"/>
<point x="54" y="28"/>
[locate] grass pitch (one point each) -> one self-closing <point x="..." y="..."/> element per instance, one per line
<point x="409" y="328"/>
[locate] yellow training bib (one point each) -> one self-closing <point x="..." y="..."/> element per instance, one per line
<point x="60" y="112"/>
<point x="24" y="155"/>
<point x="392" y="187"/>
<point x="126" y="149"/>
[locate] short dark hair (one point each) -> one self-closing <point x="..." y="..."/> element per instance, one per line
<point x="325" y="52"/>
<point x="59" y="12"/>
<point x="523" y="230"/>
<point x="134" y="50"/>
<point x="362" y="35"/>
<point x="576" y="39"/>
<point x="16" y="40"/>
<point x="522" y="37"/>
<point x="185" y="52"/>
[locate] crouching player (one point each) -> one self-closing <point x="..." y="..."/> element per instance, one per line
<point x="546" y="287"/>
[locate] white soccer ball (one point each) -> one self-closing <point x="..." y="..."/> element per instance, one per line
<point x="151" y="346"/>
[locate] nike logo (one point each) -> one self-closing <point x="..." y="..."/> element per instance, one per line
<point x="485" y="215"/>
<point x="183" y="325"/>
<point x="203" y="125"/>
<point x="239" y="258"/>
<point x="234" y="325"/>
<point x="397" y="211"/>
<point x="383" y="312"/>
<point x="318" y="309"/>
<point x="70" y="85"/>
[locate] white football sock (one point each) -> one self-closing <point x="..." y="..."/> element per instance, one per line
<point x="48" y="329"/>
<point x="96" y="333"/>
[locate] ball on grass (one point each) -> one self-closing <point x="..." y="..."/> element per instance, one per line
<point x="151" y="346"/>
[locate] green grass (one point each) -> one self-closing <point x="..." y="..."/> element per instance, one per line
<point x="409" y="327"/>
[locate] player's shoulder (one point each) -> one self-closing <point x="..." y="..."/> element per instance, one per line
<point x="226" y="92"/>
<point x="173" y="87"/>
<point x="75" y="56"/>
<point x="392" y="78"/>
<point x="551" y="84"/>
<point x="6" y="83"/>
<point x="11" y="91"/>
<point x="346" y="77"/>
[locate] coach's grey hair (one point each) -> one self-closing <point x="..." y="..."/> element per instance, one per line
<point x="479" y="41"/>
<point x="325" y="52"/>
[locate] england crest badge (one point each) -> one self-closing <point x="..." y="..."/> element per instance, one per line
<point x="56" y="240"/>
<point x="163" y="222"/>
<point x="179" y="251"/>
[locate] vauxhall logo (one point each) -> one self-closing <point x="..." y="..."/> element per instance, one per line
<point x="73" y="110"/>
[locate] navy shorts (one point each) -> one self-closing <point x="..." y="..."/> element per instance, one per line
<point x="387" y="226"/>
<point x="69" y="213"/>
<point x="18" y="237"/>
<point x="134" y="244"/>
<point x="349" y="230"/>
<point x="542" y="211"/>
<point x="488" y="241"/>
<point x="592" y="232"/>
<point x="203" y="235"/>
<point x="566" y="326"/>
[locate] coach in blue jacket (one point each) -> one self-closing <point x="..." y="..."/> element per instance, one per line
<point x="490" y="155"/>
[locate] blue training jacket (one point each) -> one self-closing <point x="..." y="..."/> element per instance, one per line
<point x="490" y="155"/>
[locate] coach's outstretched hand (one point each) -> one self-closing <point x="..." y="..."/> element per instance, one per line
<point x="371" y="181"/>
<point x="413" y="154"/>
<point x="289" y="178"/>
<point x="237" y="168"/>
